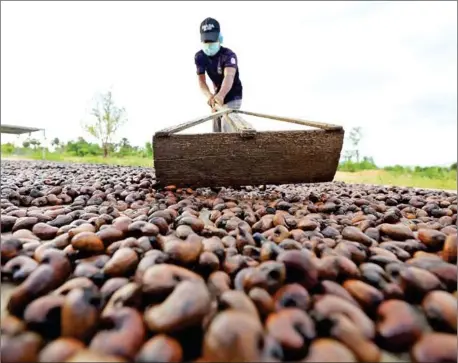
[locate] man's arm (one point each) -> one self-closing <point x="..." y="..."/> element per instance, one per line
<point x="204" y="86"/>
<point x="228" y="81"/>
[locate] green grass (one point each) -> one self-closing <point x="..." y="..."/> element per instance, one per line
<point x="125" y="160"/>
<point x="365" y="172"/>
<point x="383" y="177"/>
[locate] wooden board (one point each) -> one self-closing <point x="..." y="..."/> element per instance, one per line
<point x="228" y="159"/>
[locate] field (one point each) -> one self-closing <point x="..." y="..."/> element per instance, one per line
<point x="337" y="268"/>
<point x="434" y="178"/>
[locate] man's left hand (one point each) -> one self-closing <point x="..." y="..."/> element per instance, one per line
<point x="218" y="100"/>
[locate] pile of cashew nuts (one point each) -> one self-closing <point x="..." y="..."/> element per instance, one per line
<point x="108" y="267"/>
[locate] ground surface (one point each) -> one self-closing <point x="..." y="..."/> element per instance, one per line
<point x="379" y="177"/>
<point x="363" y="245"/>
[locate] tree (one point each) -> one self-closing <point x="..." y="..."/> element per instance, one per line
<point x="55" y="142"/>
<point x="149" y="148"/>
<point x="107" y="118"/>
<point x="355" y="137"/>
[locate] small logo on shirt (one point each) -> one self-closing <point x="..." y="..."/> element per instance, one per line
<point x="233" y="60"/>
<point x="207" y="27"/>
<point x="220" y="70"/>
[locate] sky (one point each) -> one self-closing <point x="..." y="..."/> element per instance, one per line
<point x="389" y="67"/>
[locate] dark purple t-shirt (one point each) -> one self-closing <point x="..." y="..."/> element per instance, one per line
<point x="214" y="66"/>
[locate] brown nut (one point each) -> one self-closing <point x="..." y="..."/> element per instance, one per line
<point x="329" y="305"/>
<point x="434" y="240"/>
<point x="89" y="271"/>
<point x="344" y="330"/>
<point x="160" y="348"/>
<point x="352" y="250"/>
<point x="329" y="350"/>
<point x="237" y="300"/>
<point x="218" y="282"/>
<point x="184" y="252"/>
<point x="196" y="224"/>
<point x="234" y="264"/>
<point x="123" y="336"/>
<point x="417" y="282"/>
<point x="122" y="223"/>
<point x="357" y="235"/>
<point x="60" y="349"/>
<point x="208" y="263"/>
<point x="397" y="232"/>
<point x="44" y="231"/>
<point x="88" y="355"/>
<point x="244" y="237"/>
<point x="269" y="251"/>
<point x="263" y="301"/>
<point x="43" y="315"/>
<point x="129" y="295"/>
<point x="123" y="262"/>
<point x="21" y="348"/>
<point x="333" y="288"/>
<point x="337" y="268"/>
<point x="435" y="347"/>
<point x="52" y="272"/>
<point x="300" y="267"/>
<point x="233" y="336"/>
<point x="398" y="326"/>
<point x="293" y="329"/>
<point x="87" y="242"/>
<point x="292" y="296"/>
<point x="366" y="295"/>
<point x="440" y="308"/>
<point x="10" y="249"/>
<point x="447" y="273"/>
<point x="74" y="283"/>
<point x="152" y="258"/>
<point x="61" y="241"/>
<point x="84" y="227"/>
<point x="111" y="286"/>
<point x="160" y="280"/>
<point x="110" y="235"/>
<point x="449" y="250"/>
<point x="269" y="275"/>
<point x="214" y="245"/>
<point x="11" y="325"/>
<point x="142" y="228"/>
<point x="19" y="268"/>
<point x="186" y="306"/>
<point x="80" y="313"/>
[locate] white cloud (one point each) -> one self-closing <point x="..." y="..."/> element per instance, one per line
<point x="390" y="67"/>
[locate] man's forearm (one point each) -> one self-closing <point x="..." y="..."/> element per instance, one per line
<point x="204" y="88"/>
<point x="228" y="81"/>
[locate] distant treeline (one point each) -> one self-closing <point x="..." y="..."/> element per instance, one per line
<point x="80" y="147"/>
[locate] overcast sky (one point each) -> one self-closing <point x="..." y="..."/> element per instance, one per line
<point x="387" y="66"/>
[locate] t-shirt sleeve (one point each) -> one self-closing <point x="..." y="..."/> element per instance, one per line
<point x="200" y="65"/>
<point x="230" y="60"/>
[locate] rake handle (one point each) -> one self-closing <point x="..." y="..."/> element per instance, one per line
<point x="320" y="125"/>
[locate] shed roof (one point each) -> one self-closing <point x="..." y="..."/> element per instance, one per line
<point x="18" y="130"/>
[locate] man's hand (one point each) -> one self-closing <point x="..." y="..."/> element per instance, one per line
<point x="218" y="100"/>
<point x="211" y="101"/>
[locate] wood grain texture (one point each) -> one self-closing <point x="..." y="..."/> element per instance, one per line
<point x="227" y="159"/>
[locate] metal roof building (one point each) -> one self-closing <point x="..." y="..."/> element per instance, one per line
<point x="19" y="130"/>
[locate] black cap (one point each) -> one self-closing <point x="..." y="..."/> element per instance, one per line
<point x="209" y="30"/>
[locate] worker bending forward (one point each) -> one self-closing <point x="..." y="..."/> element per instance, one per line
<point x="220" y="63"/>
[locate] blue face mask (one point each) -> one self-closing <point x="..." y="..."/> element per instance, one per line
<point x="211" y="49"/>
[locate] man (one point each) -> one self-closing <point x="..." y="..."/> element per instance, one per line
<point x="220" y="63"/>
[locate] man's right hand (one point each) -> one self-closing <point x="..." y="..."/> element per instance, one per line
<point x="211" y="101"/>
